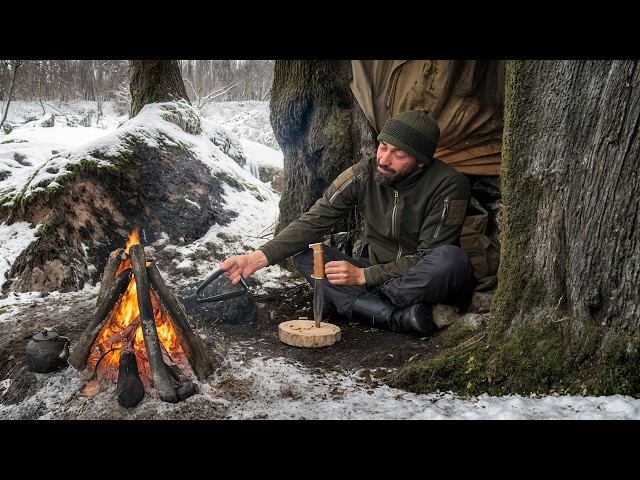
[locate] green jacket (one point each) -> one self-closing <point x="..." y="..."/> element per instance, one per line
<point x="401" y="223"/>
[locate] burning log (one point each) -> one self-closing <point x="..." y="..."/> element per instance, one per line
<point x="80" y="353"/>
<point x="161" y="379"/>
<point x="126" y="336"/>
<point x="113" y="263"/>
<point x="192" y="345"/>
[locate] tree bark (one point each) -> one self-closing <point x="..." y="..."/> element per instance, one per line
<point x="570" y="183"/>
<point x="154" y="81"/>
<point x="320" y="129"/>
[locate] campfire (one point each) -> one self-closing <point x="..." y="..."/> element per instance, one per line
<point x="139" y="335"/>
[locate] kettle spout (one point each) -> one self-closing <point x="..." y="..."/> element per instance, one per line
<point x="64" y="354"/>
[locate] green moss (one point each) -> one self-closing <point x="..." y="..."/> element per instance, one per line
<point x="518" y="289"/>
<point x="232" y="181"/>
<point x="43" y="190"/>
<point x="542" y="358"/>
<point x="92" y="166"/>
<point x="48" y="123"/>
<point x="456" y="334"/>
<point x="619" y="370"/>
<point x="200" y="255"/>
<point x="44" y="230"/>
<point x="439" y="374"/>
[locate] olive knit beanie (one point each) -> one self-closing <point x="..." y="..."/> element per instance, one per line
<point x="415" y="132"/>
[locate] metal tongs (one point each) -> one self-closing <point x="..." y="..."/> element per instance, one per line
<point x="194" y="301"/>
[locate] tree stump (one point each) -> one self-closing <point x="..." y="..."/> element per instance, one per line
<point x="304" y="333"/>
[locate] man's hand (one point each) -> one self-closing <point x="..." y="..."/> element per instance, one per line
<point x="342" y="272"/>
<point x="245" y="265"/>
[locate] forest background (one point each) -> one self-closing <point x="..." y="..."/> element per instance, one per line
<point x="63" y="81"/>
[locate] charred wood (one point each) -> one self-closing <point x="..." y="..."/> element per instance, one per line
<point x="130" y="390"/>
<point x="161" y="378"/>
<point x="126" y="336"/>
<point x="80" y="353"/>
<point x="109" y="274"/>
<point x="192" y="345"/>
<point x="184" y="386"/>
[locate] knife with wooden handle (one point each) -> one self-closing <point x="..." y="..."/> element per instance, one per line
<point x="318" y="286"/>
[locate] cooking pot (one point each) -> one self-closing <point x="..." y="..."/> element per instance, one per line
<point x="47" y="351"/>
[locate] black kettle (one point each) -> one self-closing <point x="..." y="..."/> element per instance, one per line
<point x="47" y="351"/>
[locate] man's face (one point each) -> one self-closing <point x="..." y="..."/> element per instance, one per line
<point x="394" y="165"/>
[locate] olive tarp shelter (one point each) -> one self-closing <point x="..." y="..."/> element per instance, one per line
<point x="465" y="97"/>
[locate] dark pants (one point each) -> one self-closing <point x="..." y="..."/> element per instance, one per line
<point x="445" y="275"/>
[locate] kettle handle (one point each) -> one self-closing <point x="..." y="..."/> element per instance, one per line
<point x="223" y="296"/>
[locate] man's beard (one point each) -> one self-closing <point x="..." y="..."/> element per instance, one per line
<point x="388" y="180"/>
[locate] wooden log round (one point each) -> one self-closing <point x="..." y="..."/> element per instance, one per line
<point x="304" y="333"/>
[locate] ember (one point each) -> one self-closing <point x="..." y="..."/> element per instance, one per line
<point x="140" y="334"/>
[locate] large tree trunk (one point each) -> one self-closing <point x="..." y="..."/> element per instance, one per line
<point x="155" y="81"/>
<point x="570" y="187"/>
<point x="566" y="311"/>
<point x="320" y="129"/>
<point x="565" y="316"/>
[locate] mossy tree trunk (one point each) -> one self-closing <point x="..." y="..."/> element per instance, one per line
<point x="152" y="81"/>
<point x="569" y="269"/>
<point x="319" y="128"/>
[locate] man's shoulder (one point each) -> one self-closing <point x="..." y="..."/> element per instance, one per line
<point x="445" y="169"/>
<point x="363" y="167"/>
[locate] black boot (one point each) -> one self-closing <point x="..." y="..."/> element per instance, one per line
<point x="416" y="319"/>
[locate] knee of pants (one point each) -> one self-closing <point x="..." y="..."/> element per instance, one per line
<point x="453" y="256"/>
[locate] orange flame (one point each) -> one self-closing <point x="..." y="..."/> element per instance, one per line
<point x="114" y="335"/>
<point x="134" y="239"/>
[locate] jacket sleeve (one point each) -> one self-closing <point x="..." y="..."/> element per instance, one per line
<point x="312" y="225"/>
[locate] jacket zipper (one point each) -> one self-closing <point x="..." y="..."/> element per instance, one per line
<point x="445" y="209"/>
<point x="393" y="223"/>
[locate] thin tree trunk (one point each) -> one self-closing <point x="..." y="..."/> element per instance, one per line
<point x="16" y="64"/>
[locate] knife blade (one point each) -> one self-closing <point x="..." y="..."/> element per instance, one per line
<point x="318" y="284"/>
